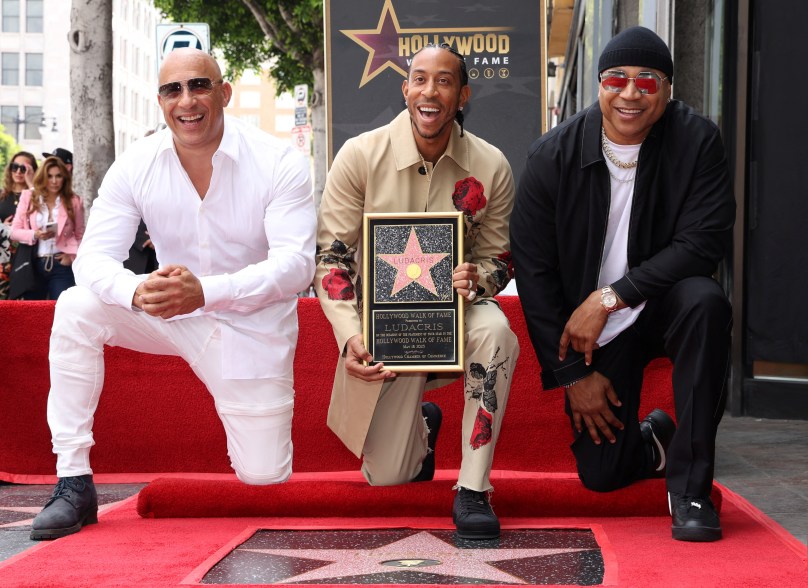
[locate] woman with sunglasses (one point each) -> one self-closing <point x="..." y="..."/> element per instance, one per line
<point x="51" y="217"/>
<point x="18" y="176"/>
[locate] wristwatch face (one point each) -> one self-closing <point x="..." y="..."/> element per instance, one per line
<point x="608" y="299"/>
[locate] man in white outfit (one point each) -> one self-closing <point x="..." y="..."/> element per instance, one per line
<point x="230" y="212"/>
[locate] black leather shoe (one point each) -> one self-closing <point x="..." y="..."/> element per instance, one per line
<point x="657" y="429"/>
<point x="473" y="516"/>
<point x="694" y="518"/>
<point x="434" y="417"/>
<point x="74" y="503"/>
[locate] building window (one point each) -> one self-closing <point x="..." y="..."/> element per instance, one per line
<point x="33" y="119"/>
<point x="11" y="69"/>
<point x="33" y="16"/>
<point x="8" y="118"/>
<point x="11" y="16"/>
<point x="33" y="69"/>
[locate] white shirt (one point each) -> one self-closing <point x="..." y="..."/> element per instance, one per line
<point x="250" y="241"/>
<point x="43" y="217"/>
<point x="614" y="264"/>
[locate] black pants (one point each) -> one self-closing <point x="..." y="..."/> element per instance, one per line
<point x="691" y="325"/>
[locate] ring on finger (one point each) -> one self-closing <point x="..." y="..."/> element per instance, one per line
<point x="472" y="295"/>
<point x="471" y="284"/>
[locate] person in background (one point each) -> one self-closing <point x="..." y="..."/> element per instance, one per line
<point x="621" y="218"/>
<point x="18" y="176"/>
<point x="422" y="161"/>
<point x="51" y="217"/>
<point x="63" y="154"/>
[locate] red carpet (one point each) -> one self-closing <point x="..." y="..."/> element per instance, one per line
<point x="156" y="417"/>
<point x="127" y="550"/>
<point x="517" y="494"/>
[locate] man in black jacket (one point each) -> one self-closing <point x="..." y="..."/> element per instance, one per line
<point x="621" y="217"/>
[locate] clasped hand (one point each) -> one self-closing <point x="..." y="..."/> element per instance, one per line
<point x="169" y="291"/>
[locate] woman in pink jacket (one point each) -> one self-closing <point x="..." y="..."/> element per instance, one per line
<point x="51" y="218"/>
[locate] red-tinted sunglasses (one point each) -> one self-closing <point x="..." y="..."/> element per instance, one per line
<point x="647" y="82"/>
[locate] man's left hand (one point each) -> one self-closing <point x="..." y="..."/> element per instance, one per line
<point x="584" y="328"/>
<point x="169" y="291"/>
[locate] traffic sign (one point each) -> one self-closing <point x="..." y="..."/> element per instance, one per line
<point x="170" y="36"/>
<point x="301" y="139"/>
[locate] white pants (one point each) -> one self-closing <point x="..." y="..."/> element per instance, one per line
<point x="256" y="414"/>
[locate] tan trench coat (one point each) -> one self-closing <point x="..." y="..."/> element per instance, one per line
<point x="378" y="172"/>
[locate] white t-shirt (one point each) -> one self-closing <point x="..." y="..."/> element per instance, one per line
<point x="47" y="246"/>
<point x="614" y="264"/>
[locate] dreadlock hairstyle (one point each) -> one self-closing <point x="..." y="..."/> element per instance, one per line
<point x="464" y="74"/>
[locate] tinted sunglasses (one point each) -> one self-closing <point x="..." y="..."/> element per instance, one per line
<point x="196" y="86"/>
<point x="18" y="167"/>
<point x="646" y="82"/>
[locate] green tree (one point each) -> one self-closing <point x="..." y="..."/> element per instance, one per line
<point x="286" y="34"/>
<point x="8" y="147"/>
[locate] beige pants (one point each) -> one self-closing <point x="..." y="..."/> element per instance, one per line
<point x="396" y="443"/>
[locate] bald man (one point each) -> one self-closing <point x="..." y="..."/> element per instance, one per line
<point x="227" y="305"/>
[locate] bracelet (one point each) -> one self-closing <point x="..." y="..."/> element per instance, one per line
<point x="571" y="384"/>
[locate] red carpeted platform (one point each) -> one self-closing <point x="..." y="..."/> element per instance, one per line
<point x="156" y="417"/>
<point x="127" y="550"/>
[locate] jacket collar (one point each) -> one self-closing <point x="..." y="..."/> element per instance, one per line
<point x="405" y="150"/>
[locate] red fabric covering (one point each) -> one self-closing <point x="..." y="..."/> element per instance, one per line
<point x="155" y="416"/>
<point x="126" y="550"/>
<point x="516" y="494"/>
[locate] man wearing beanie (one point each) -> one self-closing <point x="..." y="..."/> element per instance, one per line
<point x="621" y="218"/>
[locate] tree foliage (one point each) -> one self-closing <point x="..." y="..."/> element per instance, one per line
<point x="287" y="34"/>
<point x="8" y="147"/>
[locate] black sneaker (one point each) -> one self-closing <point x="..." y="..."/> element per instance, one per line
<point x="74" y="503"/>
<point x="473" y="516"/>
<point x="434" y="417"/>
<point x="657" y="429"/>
<point x="694" y="518"/>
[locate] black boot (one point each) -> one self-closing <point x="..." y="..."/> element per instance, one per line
<point x="434" y="418"/>
<point x="473" y="516"/>
<point x="74" y="503"/>
<point x="657" y="430"/>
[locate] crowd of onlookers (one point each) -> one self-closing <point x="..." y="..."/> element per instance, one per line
<point x="42" y="226"/>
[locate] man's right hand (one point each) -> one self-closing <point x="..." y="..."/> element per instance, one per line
<point x="356" y="354"/>
<point x="589" y="402"/>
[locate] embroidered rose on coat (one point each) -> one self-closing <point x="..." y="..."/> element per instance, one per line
<point x="469" y="196"/>
<point x="338" y="285"/>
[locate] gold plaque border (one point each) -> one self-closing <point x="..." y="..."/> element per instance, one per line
<point x="459" y="301"/>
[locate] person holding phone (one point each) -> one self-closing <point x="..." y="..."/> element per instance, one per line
<point x="51" y="217"/>
<point x="18" y="176"/>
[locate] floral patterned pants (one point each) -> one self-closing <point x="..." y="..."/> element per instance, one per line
<point x="396" y="442"/>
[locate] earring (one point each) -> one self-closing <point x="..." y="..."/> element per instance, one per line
<point x="461" y="108"/>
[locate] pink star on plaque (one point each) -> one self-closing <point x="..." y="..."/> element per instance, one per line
<point x="413" y="265"/>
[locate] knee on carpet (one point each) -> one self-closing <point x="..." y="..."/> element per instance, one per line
<point x="263" y="478"/>
<point x="601" y="481"/>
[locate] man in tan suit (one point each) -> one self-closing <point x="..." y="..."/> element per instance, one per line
<point x="422" y="161"/>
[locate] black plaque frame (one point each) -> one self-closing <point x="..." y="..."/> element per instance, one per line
<point x="413" y="318"/>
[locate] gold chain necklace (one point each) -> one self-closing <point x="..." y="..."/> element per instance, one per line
<point x="607" y="151"/>
<point x="426" y="169"/>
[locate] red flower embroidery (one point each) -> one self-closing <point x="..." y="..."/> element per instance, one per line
<point x="508" y="261"/>
<point x="481" y="435"/>
<point x="469" y="196"/>
<point x="338" y="285"/>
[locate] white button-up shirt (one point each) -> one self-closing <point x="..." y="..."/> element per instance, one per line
<point x="250" y="241"/>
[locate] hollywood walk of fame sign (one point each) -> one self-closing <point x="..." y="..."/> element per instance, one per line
<point x="412" y="315"/>
<point x="370" y="44"/>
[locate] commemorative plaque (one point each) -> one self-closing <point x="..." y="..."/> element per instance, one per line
<point x="412" y="315"/>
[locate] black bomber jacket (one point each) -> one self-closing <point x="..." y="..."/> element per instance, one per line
<point x="682" y="215"/>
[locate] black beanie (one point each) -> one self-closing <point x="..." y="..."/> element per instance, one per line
<point x="637" y="46"/>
